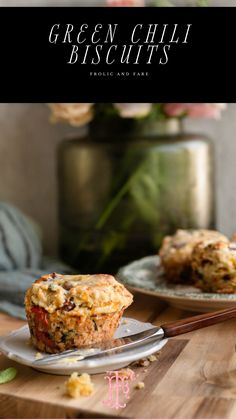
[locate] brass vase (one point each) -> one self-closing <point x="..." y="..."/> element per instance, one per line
<point x="126" y="185"/>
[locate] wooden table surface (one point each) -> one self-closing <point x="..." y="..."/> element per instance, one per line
<point x="194" y="377"/>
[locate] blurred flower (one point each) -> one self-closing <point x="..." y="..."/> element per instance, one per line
<point x="194" y="110"/>
<point x="133" y="110"/>
<point x="78" y="114"/>
<point x="153" y="3"/>
<point x="73" y="113"/>
<point x="125" y="3"/>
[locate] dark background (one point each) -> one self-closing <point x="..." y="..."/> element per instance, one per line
<point x="33" y="70"/>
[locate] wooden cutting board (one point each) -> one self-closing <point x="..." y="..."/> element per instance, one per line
<point x="194" y="377"/>
<point x="35" y="394"/>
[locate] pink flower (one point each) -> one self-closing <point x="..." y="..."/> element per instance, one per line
<point x="125" y="3"/>
<point x="194" y="110"/>
<point x="76" y="114"/>
<point x="133" y="110"/>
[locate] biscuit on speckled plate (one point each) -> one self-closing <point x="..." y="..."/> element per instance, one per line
<point x="176" y="252"/>
<point x="214" y="267"/>
<point x="72" y="311"/>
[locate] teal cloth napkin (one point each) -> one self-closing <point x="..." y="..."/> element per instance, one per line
<point x="21" y="260"/>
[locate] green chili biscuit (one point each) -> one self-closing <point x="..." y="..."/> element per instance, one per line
<point x="72" y="311"/>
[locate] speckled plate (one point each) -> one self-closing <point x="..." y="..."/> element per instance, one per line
<point x="16" y="346"/>
<point x="146" y="275"/>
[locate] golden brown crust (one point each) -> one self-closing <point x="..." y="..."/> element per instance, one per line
<point x="90" y="294"/>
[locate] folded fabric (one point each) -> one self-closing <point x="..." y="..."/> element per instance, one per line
<point x="13" y="285"/>
<point x="21" y="260"/>
<point x="20" y="244"/>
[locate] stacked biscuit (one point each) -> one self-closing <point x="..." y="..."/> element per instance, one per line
<point x="204" y="258"/>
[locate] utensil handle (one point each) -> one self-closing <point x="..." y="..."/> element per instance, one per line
<point x="197" y="322"/>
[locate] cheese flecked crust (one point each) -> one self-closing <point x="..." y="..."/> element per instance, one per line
<point x="91" y="294"/>
<point x="70" y="311"/>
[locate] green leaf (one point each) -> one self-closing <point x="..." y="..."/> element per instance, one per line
<point x="161" y="3"/>
<point x="145" y="194"/>
<point x="112" y="205"/>
<point x="7" y="375"/>
<point x="202" y="3"/>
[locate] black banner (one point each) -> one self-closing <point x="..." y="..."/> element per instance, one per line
<point x="117" y="54"/>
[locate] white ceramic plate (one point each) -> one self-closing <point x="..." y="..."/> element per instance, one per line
<point x="16" y="346"/>
<point x="146" y="275"/>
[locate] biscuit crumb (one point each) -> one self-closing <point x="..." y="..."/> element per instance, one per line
<point x="38" y="355"/>
<point x="125" y="322"/>
<point x="127" y="372"/>
<point x="79" y="385"/>
<point x="144" y="362"/>
<point x="140" y="385"/>
<point x="152" y="358"/>
<point x="71" y="360"/>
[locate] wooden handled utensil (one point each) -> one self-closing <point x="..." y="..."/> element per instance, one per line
<point x="189" y="324"/>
